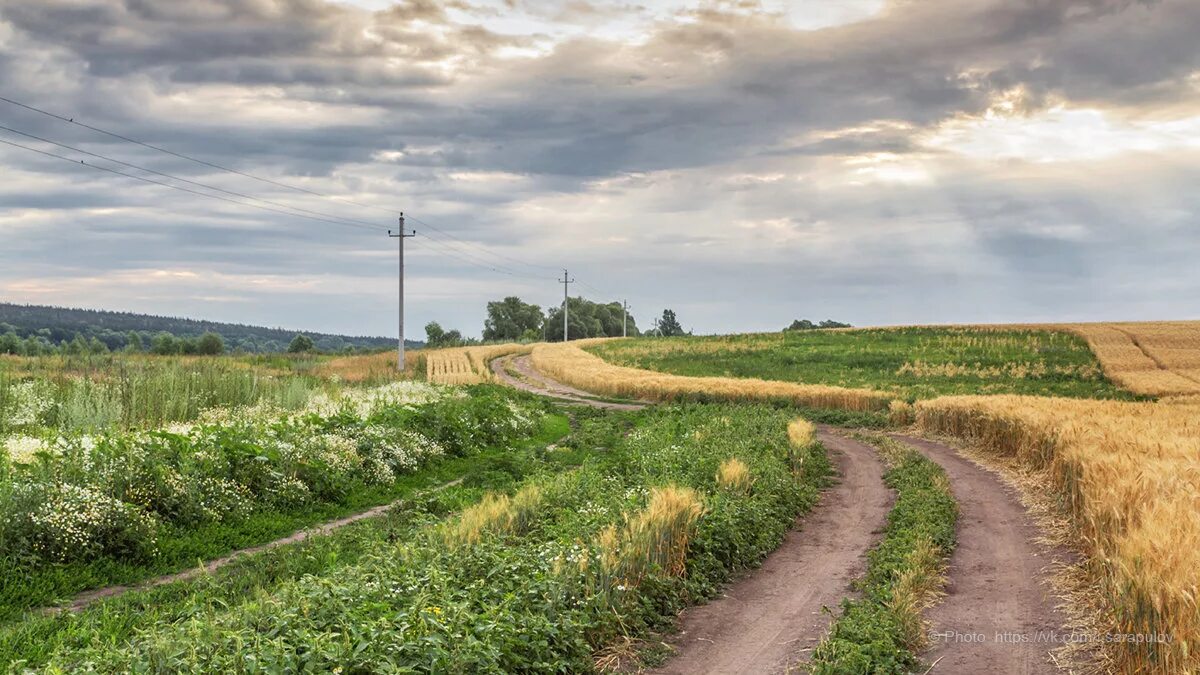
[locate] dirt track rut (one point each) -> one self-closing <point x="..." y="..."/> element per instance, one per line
<point x="998" y="594"/>
<point x="772" y="619"/>
<point x="997" y="600"/>
<point x="533" y="381"/>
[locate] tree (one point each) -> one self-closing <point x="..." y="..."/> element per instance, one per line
<point x="133" y="342"/>
<point x="95" y="346"/>
<point x="299" y="344"/>
<point x="668" y="325"/>
<point x="436" y="336"/>
<point x="588" y="319"/>
<point x="10" y="343"/>
<point x="76" y="347"/>
<point x="164" y="344"/>
<point x="511" y="319"/>
<point x="210" y="344"/>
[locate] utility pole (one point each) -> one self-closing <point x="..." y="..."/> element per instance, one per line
<point x="566" y="300"/>
<point x="624" y="318"/>
<point x="400" y="240"/>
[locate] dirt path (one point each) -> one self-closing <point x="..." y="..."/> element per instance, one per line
<point x="772" y="619"/>
<point x="998" y="594"/>
<point x="532" y="381"/>
<point x="86" y="598"/>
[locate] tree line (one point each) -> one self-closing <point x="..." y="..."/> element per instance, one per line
<point x="162" y="344"/>
<point x="52" y="326"/>
<point x="514" y="320"/>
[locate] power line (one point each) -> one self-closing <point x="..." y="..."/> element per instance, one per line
<point x="177" y="187"/>
<point x="489" y="251"/>
<point x="443" y="249"/>
<point x="347" y="221"/>
<point x="180" y="155"/>
<point x="476" y="258"/>
<point x="122" y="137"/>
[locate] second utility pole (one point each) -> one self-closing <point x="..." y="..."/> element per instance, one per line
<point x="400" y="238"/>
<point x="566" y="300"/>
<point x="624" y="318"/>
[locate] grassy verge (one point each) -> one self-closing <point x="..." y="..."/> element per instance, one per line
<point x="883" y="632"/>
<point x="26" y="586"/>
<point x="542" y="578"/>
<point x="30" y="642"/>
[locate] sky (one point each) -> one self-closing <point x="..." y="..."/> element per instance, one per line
<point x="742" y="162"/>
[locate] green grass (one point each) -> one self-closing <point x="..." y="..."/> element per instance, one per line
<point x="97" y="392"/>
<point x="30" y="642"/>
<point x="516" y="601"/>
<point x="23" y="587"/>
<point x="882" y="631"/>
<point x="915" y="363"/>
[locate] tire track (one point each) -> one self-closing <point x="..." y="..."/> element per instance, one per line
<point x="770" y="621"/>
<point x="532" y="381"/>
<point x="998" y="598"/>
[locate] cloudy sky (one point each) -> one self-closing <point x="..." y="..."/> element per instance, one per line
<point x="744" y="162"/>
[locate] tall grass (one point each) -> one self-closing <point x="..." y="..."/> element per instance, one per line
<point x="142" y="392"/>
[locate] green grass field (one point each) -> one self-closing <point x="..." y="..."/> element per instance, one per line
<point x="914" y="363"/>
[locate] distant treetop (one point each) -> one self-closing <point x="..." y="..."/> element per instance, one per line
<point x="805" y="324"/>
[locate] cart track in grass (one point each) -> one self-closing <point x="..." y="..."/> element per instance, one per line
<point x="998" y="578"/>
<point x="83" y="600"/>
<point x="771" y="619"/>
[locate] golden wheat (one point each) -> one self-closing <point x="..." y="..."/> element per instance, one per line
<point x="733" y="475"/>
<point x="467" y="365"/>
<point x="570" y="364"/>
<point x="801" y="432"/>
<point x="656" y="537"/>
<point x="496" y="514"/>
<point x="1129" y="477"/>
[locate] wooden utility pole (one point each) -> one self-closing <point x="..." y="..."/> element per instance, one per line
<point x="400" y="241"/>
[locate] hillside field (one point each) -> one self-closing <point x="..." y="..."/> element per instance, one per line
<point x="910" y="363"/>
<point x="508" y="532"/>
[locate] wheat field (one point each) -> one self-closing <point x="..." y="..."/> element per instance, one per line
<point x="467" y="365"/>
<point x="1153" y="358"/>
<point x="1127" y="473"/>
<point x="1128" y="476"/>
<point x="569" y="363"/>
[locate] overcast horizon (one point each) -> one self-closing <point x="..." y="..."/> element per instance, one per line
<point x="743" y="163"/>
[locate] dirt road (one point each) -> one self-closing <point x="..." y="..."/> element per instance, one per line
<point x="533" y="381"/>
<point x="772" y="618"/>
<point x="998" y="595"/>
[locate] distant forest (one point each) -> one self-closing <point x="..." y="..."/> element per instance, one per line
<point x="52" y="326"/>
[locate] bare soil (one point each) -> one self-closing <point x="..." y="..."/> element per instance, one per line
<point x="998" y="597"/>
<point x="771" y="619"/>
